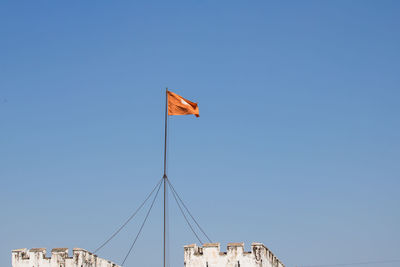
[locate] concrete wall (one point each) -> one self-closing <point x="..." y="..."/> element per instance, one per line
<point x="36" y="257"/>
<point x="210" y="256"/>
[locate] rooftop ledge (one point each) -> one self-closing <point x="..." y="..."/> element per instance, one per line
<point x="255" y="246"/>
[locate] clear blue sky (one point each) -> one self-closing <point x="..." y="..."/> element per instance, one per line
<point x="297" y="145"/>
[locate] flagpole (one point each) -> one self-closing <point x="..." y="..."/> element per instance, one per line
<point x="165" y="164"/>
<point x="165" y="133"/>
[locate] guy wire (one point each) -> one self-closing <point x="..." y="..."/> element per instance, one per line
<point x="187" y="221"/>
<point x="141" y="227"/>
<point x="130" y="218"/>
<point x="173" y="189"/>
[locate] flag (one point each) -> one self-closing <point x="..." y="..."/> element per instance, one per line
<point x="178" y="105"/>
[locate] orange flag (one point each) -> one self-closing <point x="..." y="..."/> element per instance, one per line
<point x="178" y="105"/>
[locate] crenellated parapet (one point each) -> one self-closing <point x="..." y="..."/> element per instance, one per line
<point x="210" y="255"/>
<point x="59" y="258"/>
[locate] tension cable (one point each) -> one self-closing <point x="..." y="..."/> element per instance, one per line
<point x="130" y="218"/>
<point x="144" y="222"/>
<point x="175" y="194"/>
<point x="173" y="189"/>
<point x="184" y="216"/>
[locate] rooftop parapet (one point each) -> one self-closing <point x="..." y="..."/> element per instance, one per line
<point x="59" y="253"/>
<point x="37" y="252"/>
<point x="193" y="249"/>
<point x="210" y="252"/>
<point x="59" y="257"/>
<point x="235" y="249"/>
<point x="21" y="253"/>
<point x="261" y="251"/>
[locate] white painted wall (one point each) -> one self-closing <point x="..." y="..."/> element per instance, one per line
<point x="207" y="256"/>
<point x="36" y="257"/>
<point x="210" y="256"/>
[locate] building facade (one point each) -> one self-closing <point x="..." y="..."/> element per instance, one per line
<point x="210" y="255"/>
<point x="36" y="257"/>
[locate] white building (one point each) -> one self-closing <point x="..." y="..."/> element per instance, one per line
<point x="36" y="257"/>
<point x="210" y="256"/>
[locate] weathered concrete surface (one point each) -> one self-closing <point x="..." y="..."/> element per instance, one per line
<point x="210" y="256"/>
<point x="207" y="256"/>
<point x="36" y="257"/>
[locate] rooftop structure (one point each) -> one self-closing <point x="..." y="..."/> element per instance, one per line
<point x="36" y="257"/>
<point x="209" y="255"/>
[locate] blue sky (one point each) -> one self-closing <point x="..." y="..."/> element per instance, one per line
<point x="297" y="145"/>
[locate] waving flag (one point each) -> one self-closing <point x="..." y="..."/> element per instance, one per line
<point x="178" y="105"/>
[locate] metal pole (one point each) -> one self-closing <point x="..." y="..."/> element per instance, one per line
<point x="165" y="133"/>
<point x="165" y="165"/>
